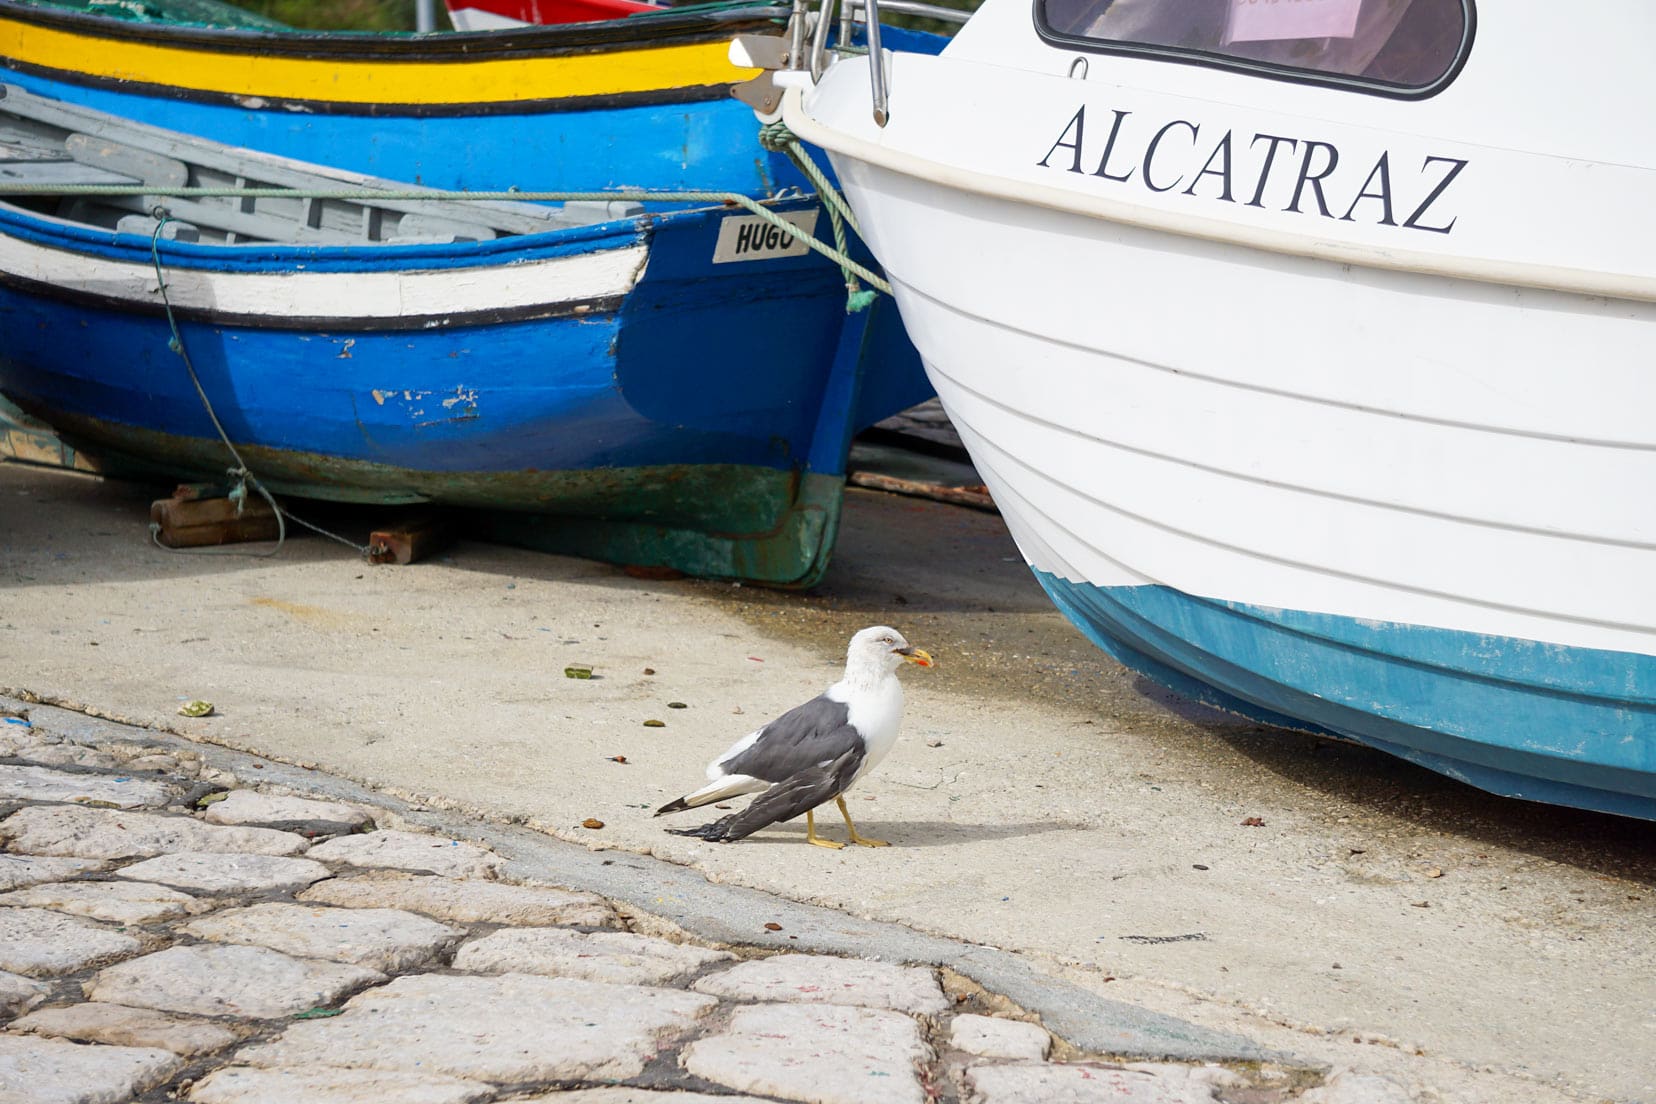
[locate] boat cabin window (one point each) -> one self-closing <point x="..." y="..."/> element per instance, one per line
<point x="1393" y="47"/>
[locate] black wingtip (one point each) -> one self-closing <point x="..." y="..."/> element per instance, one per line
<point x="674" y="806"/>
<point x="713" y="833"/>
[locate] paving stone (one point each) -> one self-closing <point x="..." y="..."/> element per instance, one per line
<point x="69" y="755"/>
<point x="465" y="900"/>
<point x="18" y="736"/>
<point x="111" y="834"/>
<point x="45" y="784"/>
<point x="626" y="1094"/>
<point x="412" y="851"/>
<point x="227" y="873"/>
<point x="993" y="1037"/>
<point x="162" y="762"/>
<point x="510" y="1028"/>
<point x="17" y="871"/>
<point x="118" y="1025"/>
<point x="18" y="993"/>
<point x="289" y="814"/>
<point x="1094" y="1083"/>
<point x="826" y="1054"/>
<point x="217" y="980"/>
<point x="620" y="957"/>
<point x="51" y="1071"/>
<point x="247" y="1085"/>
<point x="117" y="902"/>
<point x="381" y="939"/>
<point x="1346" y="1086"/>
<point x="43" y="943"/>
<point x="822" y="979"/>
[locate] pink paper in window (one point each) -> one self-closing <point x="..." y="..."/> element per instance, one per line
<point x="1263" y="20"/>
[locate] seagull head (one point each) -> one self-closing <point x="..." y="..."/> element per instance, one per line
<point x="880" y="649"/>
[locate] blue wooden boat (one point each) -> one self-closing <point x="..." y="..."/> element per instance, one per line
<point x="633" y="101"/>
<point x="636" y="386"/>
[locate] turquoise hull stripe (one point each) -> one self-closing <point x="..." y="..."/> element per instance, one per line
<point x="1545" y="722"/>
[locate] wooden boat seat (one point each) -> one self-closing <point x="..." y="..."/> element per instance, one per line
<point x="44" y="141"/>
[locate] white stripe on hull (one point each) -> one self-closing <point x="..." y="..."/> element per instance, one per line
<point x="335" y="296"/>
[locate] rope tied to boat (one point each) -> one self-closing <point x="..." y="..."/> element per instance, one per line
<point x="240" y="476"/>
<point x="776" y="136"/>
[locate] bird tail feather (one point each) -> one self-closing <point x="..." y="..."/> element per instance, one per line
<point x="731" y="785"/>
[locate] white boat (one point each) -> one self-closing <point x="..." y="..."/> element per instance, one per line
<point x="1307" y="349"/>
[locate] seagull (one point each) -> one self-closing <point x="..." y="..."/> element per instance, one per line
<point x="814" y="751"/>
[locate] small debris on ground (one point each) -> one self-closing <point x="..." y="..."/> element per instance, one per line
<point x="592" y="822"/>
<point x="196" y="708"/>
<point x="653" y="723"/>
<point x="578" y="671"/>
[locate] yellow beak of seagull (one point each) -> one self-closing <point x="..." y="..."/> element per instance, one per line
<point x="917" y="656"/>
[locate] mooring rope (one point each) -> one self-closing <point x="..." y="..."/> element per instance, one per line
<point x="776" y="136"/>
<point x="240" y="475"/>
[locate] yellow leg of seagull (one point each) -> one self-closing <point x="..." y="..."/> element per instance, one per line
<point x="852" y="828"/>
<point x="812" y="837"/>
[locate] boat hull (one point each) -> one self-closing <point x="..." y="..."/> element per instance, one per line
<point x="626" y="103"/>
<point x="1431" y="541"/>
<point x="1474" y="707"/>
<point x="672" y="410"/>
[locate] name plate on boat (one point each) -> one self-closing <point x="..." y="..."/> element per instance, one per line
<point x="751" y="238"/>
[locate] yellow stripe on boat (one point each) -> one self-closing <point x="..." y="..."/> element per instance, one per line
<point x="330" y="80"/>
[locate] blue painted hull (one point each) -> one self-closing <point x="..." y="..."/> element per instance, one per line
<point x="706" y="144"/>
<point x="1562" y="725"/>
<point x="703" y="399"/>
<point x="668" y="133"/>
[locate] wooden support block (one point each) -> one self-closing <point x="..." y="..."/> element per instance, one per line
<point x="410" y="540"/>
<point x="192" y="523"/>
<point x="189" y="492"/>
<point x="975" y="497"/>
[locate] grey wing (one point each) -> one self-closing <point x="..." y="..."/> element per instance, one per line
<point x="803" y="737"/>
<point x="786" y="799"/>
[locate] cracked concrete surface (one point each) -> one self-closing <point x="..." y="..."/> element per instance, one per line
<point x="1042" y="802"/>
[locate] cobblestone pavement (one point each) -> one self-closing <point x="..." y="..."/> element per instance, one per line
<point x="173" y="930"/>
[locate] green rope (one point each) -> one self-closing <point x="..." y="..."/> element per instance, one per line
<point x="777" y="136"/>
<point x="240" y="475"/>
<point x="754" y="206"/>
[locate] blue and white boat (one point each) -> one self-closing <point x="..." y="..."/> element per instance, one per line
<point x="1306" y="349"/>
<point x="671" y="388"/>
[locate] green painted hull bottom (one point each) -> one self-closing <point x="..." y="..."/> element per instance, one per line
<point x="720" y="521"/>
<point x="794" y="554"/>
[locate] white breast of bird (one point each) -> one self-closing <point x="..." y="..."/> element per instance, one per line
<point x="877" y="715"/>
